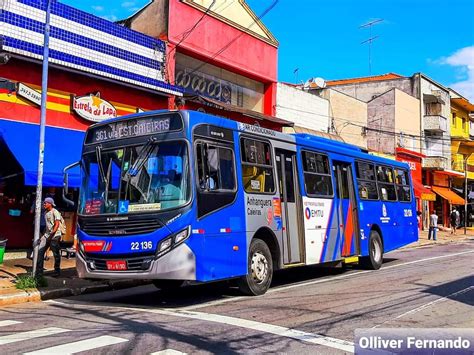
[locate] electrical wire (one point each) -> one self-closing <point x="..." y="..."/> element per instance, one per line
<point x="225" y="47"/>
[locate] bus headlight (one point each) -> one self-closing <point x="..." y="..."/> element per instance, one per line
<point x="165" y="245"/>
<point x="181" y="236"/>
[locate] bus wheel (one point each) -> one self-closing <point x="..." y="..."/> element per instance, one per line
<point x="375" y="258"/>
<point x="168" y="285"/>
<point x="260" y="269"/>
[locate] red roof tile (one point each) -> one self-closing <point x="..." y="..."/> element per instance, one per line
<point x="388" y="76"/>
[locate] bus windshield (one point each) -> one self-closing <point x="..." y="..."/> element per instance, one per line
<point x="149" y="177"/>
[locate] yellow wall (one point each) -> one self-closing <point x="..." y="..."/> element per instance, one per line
<point x="457" y="129"/>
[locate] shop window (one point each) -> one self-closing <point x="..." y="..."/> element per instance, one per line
<point x="366" y="181"/>
<point x="257" y="167"/>
<point x="317" y="175"/>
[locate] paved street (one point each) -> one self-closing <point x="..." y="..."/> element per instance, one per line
<point x="306" y="311"/>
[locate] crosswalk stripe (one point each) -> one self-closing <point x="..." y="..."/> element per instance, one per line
<point x="6" y="323"/>
<point x="13" y="338"/>
<point x="168" y="352"/>
<point x="82" y="345"/>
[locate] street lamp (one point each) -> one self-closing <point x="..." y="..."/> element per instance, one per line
<point x="44" y="93"/>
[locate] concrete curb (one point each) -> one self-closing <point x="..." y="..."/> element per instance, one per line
<point x="35" y="295"/>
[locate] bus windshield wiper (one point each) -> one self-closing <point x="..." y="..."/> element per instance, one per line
<point x="141" y="158"/>
<point x="98" y="153"/>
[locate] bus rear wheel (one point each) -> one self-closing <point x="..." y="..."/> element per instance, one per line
<point x="375" y="258"/>
<point x="260" y="269"/>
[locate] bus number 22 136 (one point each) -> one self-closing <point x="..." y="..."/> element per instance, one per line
<point x="141" y="245"/>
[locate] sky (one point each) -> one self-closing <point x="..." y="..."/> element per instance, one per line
<point x="322" y="38"/>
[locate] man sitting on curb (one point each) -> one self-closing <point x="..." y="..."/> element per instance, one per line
<point x="51" y="237"/>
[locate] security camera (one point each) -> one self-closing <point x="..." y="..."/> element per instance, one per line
<point x="4" y="58"/>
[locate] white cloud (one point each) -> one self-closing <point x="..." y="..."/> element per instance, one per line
<point x="128" y="4"/>
<point x="98" y="8"/>
<point x="112" y="18"/>
<point x="463" y="59"/>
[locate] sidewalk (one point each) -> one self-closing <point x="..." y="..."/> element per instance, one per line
<point x="68" y="284"/>
<point x="443" y="237"/>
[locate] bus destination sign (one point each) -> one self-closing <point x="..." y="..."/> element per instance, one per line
<point x="134" y="128"/>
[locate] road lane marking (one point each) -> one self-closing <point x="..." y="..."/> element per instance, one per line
<point x="7" y="339"/>
<point x="427" y="305"/>
<point x="82" y="345"/>
<point x="316" y="339"/>
<point x="6" y="323"/>
<point x="169" y="352"/>
<point x="327" y="279"/>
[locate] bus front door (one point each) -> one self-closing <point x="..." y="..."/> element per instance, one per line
<point x="290" y="207"/>
<point x="348" y="239"/>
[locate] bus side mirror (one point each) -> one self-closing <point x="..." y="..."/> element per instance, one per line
<point x="66" y="183"/>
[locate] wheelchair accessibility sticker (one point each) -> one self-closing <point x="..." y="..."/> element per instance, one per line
<point x="123" y="206"/>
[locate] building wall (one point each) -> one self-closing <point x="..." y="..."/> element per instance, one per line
<point x="244" y="53"/>
<point x="381" y="123"/>
<point x="459" y="121"/>
<point x="437" y="146"/>
<point x="304" y="109"/>
<point x="153" y="21"/>
<point x="348" y="116"/>
<point x="407" y="115"/>
<point x="367" y="91"/>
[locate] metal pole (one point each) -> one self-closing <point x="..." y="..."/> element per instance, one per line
<point x="465" y="196"/>
<point x="44" y="93"/>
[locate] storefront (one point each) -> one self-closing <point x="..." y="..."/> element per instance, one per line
<point x="98" y="70"/>
<point x="446" y="198"/>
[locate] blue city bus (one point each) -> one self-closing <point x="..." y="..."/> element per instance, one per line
<point x="177" y="196"/>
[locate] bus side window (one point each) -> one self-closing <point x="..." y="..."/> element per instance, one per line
<point x="215" y="167"/>
<point x="317" y="175"/>
<point x="257" y="166"/>
<point x="216" y="181"/>
<point x="366" y="181"/>
<point x="386" y="183"/>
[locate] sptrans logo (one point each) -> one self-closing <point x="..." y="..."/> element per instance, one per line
<point x="310" y="213"/>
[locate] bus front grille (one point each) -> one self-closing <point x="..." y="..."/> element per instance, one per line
<point x="141" y="263"/>
<point x="119" y="228"/>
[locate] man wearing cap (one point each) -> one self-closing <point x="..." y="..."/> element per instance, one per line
<point x="51" y="237"/>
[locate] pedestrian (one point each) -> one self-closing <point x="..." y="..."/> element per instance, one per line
<point x="433" y="225"/>
<point x="418" y="218"/>
<point x="453" y="218"/>
<point x="51" y="237"/>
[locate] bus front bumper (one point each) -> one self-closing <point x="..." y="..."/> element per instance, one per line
<point x="178" y="264"/>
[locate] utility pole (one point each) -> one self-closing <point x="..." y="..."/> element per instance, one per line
<point x="370" y="40"/>
<point x="465" y="196"/>
<point x="44" y="98"/>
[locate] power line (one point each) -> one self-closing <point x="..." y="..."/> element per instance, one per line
<point x="225" y="47"/>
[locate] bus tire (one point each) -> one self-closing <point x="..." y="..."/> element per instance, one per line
<point x="260" y="269"/>
<point x="168" y="285"/>
<point x="375" y="258"/>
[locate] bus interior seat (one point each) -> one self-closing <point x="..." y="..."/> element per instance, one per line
<point x="251" y="173"/>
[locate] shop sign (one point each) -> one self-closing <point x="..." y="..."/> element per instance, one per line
<point x="28" y="93"/>
<point x="93" y="108"/>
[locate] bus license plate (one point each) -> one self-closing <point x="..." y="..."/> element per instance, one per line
<point x="116" y="265"/>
